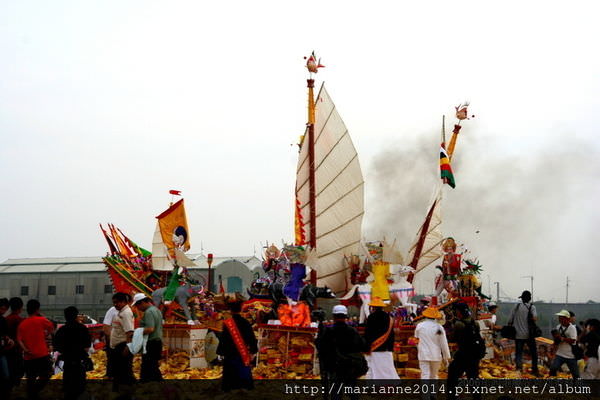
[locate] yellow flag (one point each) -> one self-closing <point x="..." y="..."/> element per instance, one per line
<point x="174" y="229"/>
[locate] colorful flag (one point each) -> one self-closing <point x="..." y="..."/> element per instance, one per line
<point x="139" y="250"/>
<point x="445" y="168"/>
<point x="174" y="229"/>
<point x="124" y="248"/>
<point x="111" y="245"/>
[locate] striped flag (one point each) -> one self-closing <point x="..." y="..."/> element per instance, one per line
<point x="445" y="168"/>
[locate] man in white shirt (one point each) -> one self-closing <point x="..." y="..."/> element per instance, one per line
<point x="121" y="333"/>
<point x="433" y="344"/>
<point x="106" y="327"/>
<point x="565" y="335"/>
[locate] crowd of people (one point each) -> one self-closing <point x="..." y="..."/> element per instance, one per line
<point x="32" y="346"/>
<point x="340" y="346"/>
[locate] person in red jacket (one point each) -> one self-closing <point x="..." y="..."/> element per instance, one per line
<point x="31" y="336"/>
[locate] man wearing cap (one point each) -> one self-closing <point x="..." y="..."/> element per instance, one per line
<point x="491" y="323"/>
<point x="522" y="318"/>
<point x="433" y="345"/>
<point x="121" y="333"/>
<point x="379" y="337"/>
<point x="152" y="324"/>
<point x="492" y="308"/>
<point x="337" y="341"/>
<point x="565" y="335"/>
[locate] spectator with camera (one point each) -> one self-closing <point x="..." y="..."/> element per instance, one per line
<point x="565" y="339"/>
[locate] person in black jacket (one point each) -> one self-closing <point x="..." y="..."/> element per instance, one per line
<point x="379" y="335"/>
<point x="6" y="345"/>
<point x="237" y="372"/>
<point x="591" y="339"/>
<point x="466" y="359"/>
<point x="73" y="341"/>
<point x="336" y="345"/>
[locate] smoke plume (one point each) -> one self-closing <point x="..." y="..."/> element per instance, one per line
<point x="520" y="211"/>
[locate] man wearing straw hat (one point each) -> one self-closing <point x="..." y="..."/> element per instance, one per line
<point x="433" y="345"/>
<point x="379" y="335"/>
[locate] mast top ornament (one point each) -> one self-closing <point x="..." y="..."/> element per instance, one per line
<point x="312" y="64"/>
<point x="461" y="111"/>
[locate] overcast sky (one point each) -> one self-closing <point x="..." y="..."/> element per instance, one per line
<point x="106" y="105"/>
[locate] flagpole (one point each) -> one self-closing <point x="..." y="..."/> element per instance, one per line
<point x="443" y="129"/>
<point x="311" y="173"/>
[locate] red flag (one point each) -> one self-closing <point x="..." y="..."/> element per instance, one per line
<point x="175" y="192"/>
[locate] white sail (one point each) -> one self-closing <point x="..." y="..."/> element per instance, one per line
<point x="160" y="258"/>
<point x="391" y="253"/>
<point x="339" y="194"/>
<point x="426" y="248"/>
<point x="183" y="260"/>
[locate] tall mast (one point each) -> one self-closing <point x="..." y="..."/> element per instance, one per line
<point x="313" y="65"/>
<point x="311" y="163"/>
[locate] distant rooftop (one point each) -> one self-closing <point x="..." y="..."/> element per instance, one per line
<point x="95" y="264"/>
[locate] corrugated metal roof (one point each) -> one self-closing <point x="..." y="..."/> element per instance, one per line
<point x="24" y="269"/>
<point x="47" y="265"/>
<point x="95" y="264"/>
<point x="82" y="267"/>
<point x="52" y="260"/>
